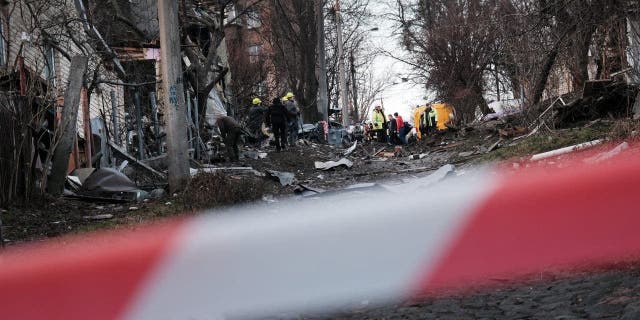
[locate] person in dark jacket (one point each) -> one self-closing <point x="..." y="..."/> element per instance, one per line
<point x="230" y="130"/>
<point x="256" y="118"/>
<point x="393" y="130"/>
<point x="277" y="117"/>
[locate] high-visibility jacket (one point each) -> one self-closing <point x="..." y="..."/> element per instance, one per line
<point x="378" y="119"/>
<point x="433" y="115"/>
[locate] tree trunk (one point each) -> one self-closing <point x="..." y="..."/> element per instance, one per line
<point x="541" y="80"/>
<point x="66" y="133"/>
<point x="580" y="52"/>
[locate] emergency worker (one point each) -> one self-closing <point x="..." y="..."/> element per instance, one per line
<point x="378" y="122"/>
<point x="230" y="130"/>
<point x="277" y="117"/>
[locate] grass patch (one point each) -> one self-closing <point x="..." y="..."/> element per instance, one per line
<point x="547" y="142"/>
<point x="210" y="190"/>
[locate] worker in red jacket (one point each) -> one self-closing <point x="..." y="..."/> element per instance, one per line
<point x="402" y="134"/>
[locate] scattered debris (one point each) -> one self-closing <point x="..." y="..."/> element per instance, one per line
<point x="255" y="155"/>
<point x="397" y="151"/>
<point x="305" y="190"/>
<point x="418" y="156"/>
<point x="122" y="153"/>
<point x="133" y="208"/>
<point x="157" y="193"/>
<point x="99" y="217"/>
<point x="607" y="155"/>
<point x="285" y="178"/>
<point x="566" y="150"/>
<point x="437" y="176"/>
<point x="494" y="146"/>
<point x="375" y="153"/>
<point x="333" y="164"/>
<point x="210" y="169"/>
<point x="466" y="154"/>
<point x="351" y="149"/>
<point x="105" y="184"/>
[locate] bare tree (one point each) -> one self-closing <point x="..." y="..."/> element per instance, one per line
<point x="293" y="38"/>
<point x="453" y="44"/>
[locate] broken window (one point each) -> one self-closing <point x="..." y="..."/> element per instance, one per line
<point x="254" y="53"/>
<point x="49" y="72"/>
<point x="230" y="15"/>
<point x="253" y="19"/>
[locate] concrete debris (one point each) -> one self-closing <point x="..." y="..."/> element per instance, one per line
<point x="99" y="217"/>
<point x="133" y="208"/>
<point x="255" y="155"/>
<point x="285" y="178"/>
<point x="333" y="164"/>
<point x="418" y="156"/>
<point x="351" y="149"/>
<point x="566" y="150"/>
<point x="607" y="155"/>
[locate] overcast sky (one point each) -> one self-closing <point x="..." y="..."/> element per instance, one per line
<point x="403" y="96"/>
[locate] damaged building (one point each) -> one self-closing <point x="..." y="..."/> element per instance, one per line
<point x="120" y="117"/>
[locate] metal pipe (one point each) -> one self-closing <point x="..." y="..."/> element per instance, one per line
<point x="136" y="102"/>
<point x="114" y="118"/>
<point x="189" y="122"/>
<point x="197" y="125"/>
<point x="156" y="123"/>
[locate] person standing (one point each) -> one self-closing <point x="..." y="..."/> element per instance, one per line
<point x="400" y="128"/>
<point x="295" y="120"/>
<point x="230" y="130"/>
<point x="393" y="130"/>
<point x="432" y="122"/>
<point x="256" y="118"/>
<point x="378" y="123"/>
<point x="277" y="117"/>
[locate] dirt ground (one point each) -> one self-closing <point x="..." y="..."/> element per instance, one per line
<point x="613" y="293"/>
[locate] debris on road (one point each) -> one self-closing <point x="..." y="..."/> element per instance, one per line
<point x="351" y="149"/>
<point x="99" y="217"/>
<point x="565" y="150"/>
<point x="285" y="178"/>
<point x="333" y="164"/>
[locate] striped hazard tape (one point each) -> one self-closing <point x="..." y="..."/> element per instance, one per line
<point x="331" y="252"/>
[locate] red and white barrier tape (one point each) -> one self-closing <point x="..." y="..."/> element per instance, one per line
<point x="329" y="252"/>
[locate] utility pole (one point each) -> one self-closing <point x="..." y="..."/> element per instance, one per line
<point x="352" y="62"/>
<point x="341" y="71"/>
<point x="174" y="104"/>
<point x="323" y="103"/>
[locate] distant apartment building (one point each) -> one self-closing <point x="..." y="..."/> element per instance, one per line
<point x="247" y="30"/>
